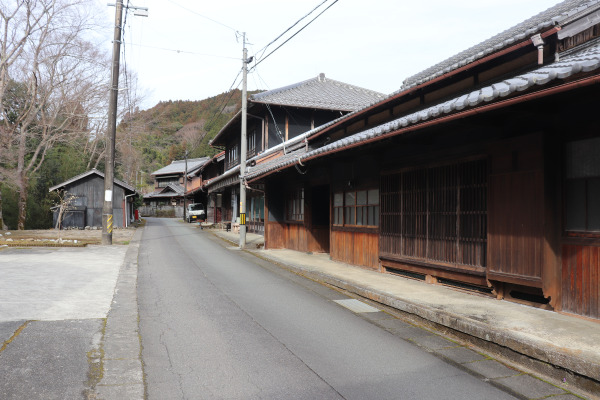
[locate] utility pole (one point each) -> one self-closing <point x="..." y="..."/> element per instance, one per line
<point x="243" y="146"/>
<point x="109" y="168"/>
<point x="185" y="189"/>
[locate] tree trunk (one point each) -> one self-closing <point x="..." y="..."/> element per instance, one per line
<point x="22" y="203"/>
<point x="2" y="224"/>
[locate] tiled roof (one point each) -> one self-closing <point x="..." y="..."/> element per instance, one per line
<point x="178" y="166"/>
<point x="536" y="24"/>
<point x="90" y="172"/>
<point x="584" y="59"/>
<point x="171" y="190"/>
<point x="321" y="93"/>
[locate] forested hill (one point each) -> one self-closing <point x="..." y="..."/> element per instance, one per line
<point x="151" y="139"/>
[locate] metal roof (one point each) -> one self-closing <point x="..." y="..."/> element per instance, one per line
<point x="88" y="173"/>
<point x="583" y="59"/>
<point x="320" y="93"/>
<point x="178" y="166"/>
<point x="531" y="26"/>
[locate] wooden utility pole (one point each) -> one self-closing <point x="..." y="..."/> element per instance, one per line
<point x="109" y="168"/>
<point x="243" y="149"/>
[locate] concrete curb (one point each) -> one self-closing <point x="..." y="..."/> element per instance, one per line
<point x="123" y="375"/>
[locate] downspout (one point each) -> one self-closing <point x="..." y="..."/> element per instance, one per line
<point x="539" y="43"/>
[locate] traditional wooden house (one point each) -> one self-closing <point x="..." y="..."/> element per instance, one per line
<point x="170" y="187"/>
<point x="481" y="172"/>
<point x="214" y="201"/>
<point x="277" y="122"/>
<point x="85" y="209"/>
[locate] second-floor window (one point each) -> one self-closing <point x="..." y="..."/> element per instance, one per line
<point x="251" y="143"/>
<point x="233" y="155"/>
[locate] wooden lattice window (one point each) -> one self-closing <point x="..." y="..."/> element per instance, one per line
<point x="295" y="205"/>
<point x="356" y="208"/>
<point x="436" y="214"/>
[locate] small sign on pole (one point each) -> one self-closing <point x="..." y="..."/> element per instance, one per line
<point x="242" y="218"/>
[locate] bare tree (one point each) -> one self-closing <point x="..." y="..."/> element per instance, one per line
<point x="65" y="201"/>
<point x="54" y="77"/>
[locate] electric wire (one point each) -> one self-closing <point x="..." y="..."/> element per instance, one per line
<point x="288" y="29"/>
<point x="291" y="37"/>
<point x="217" y="114"/>
<point x="203" y="16"/>
<point x="183" y="51"/>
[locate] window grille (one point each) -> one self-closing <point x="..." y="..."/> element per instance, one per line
<point x="295" y="205"/>
<point x="436" y="214"/>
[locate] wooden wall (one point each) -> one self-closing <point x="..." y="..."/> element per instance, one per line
<point x="297" y="237"/>
<point x="516" y="212"/>
<point x="357" y="248"/>
<point x="581" y="280"/>
<point x="91" y="193"/>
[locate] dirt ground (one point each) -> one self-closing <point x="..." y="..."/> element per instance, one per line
<point x="68" y="237"/>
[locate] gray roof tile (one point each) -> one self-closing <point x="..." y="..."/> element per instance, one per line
<point x="178" y="166"/>
<point x="171" y="190"/>
<point x="321" y="93"/>
<point x="536" y="24"/>
<point x="579" y="60"/>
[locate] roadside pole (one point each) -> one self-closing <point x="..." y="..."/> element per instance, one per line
<point x="109" y="170"/>
<point x="243" y="150"/>
<point x="185" y="188"/>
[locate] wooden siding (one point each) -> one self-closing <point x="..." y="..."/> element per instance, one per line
<point x="295" y="237"/>
<point x="274" y="237"/>
<point x="90" y="192"/>
<point x="357" y="248"/>
<point x="516" y="213"/>
<point x="581" y="280"/>
<point x="318" y="240"/>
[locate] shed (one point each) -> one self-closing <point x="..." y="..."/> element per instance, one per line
<point x="86" y="209"/>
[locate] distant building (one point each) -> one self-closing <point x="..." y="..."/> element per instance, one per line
<point x="169" y="186"/>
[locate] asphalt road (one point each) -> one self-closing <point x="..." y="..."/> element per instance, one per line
<point x="217" y="322"/>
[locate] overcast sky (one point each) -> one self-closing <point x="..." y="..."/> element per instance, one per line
<point x="179" y="52"/>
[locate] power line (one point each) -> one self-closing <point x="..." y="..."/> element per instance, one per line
<point x="183" y="51"/>
<point x="297" y="32"/>
<point x="288" y="29"/>
<point x="203" y="16"/>
<point x="217" y="114"/>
